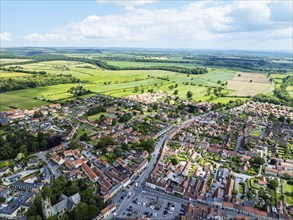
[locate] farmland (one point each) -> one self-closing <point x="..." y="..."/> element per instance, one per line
<point x="9" y="101"/>
<point x="4" y="60"/>
<point x="249" y="84"/>
<point x="133" y="72"/>
<point x="11" y="74"/>
<point x="116" y="83"/>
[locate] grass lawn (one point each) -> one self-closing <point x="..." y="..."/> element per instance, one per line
<point x="287" y="189"/>
<point x="256" y="133"/>
<point x="202" y="162"/>
<point x="96" y="116"/>
<point x="226" y="100"/>
<point x="81" y="132"/>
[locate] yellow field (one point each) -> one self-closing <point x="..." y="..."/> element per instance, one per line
<point x="11" y="74"/>
<point x="249" y="84"/>
<point x="4" y="60"/>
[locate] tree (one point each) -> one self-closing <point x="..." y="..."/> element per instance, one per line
<point x="6" y="151"/>
<point x="73" y="145"/>
<point x="47" y="192"/>
<point x="273" y="184"/>
<point x="105" y="141"/>
<point x="2" y="199"/>
<point x="92" y="211"/>
<point x="86" y="195"/>
<point x="84" y="137"/>
<point x="114" y="122"/>
<point x="176" y="92"/>
<point x="37" y="114"/>
<point x="81" y="211"/>
<point x="71" y="190"/>
<point x="37" y="217"/>
<point x="175" y="160"/>
<point x="258" y="161"/>
<point x="19" y="156"/>
<point x="189" y="94"/>
<point x="23" y="150"/>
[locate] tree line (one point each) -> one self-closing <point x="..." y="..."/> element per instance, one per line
<point x="24" y="82"/>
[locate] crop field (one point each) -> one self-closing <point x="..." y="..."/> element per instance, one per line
<point x="11" y="74"/>
<point x="146" y="64"/>
<point x="114" y="83"/>
<point x="4" y="60"/>
<point x="249" y="84"/>
<point x="9" y="101"/>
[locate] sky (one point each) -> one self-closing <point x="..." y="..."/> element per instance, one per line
<point x="198" y="24"/>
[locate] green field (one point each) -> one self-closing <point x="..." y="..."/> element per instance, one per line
<point x="9" y="101"/>
<point x="287" y="189"/>
<point x="116" y="83"/>
<point x="96" y="116"/>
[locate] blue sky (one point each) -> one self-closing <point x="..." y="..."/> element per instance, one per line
<point x="251" y="25"/>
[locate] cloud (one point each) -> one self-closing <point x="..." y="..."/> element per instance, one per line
<point x="45" y="37"/>
<point x="196" y="24"/>
<point x="128" y="4"/>
<point x="5" y="36"/>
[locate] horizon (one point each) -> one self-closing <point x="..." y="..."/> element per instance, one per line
<point x="148" y="48"/>
<point x="192" y="25"/>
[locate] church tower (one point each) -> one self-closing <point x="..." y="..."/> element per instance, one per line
<point x="46" y="207"/>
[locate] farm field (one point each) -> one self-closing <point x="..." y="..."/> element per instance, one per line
<point x="129" y="82"/>
<point x="6" y="60"/>
<point x="145" y="64"/>
<point x="9" y="101"/>
<point x="11" y="74"/>
<point x="249" y="84"/>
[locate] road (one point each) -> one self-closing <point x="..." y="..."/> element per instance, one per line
<point x="53" y="168"/>
<point x="271" y="88"/>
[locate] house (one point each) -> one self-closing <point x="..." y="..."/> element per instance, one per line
<point x="89" y="172"/>
<point x="262" y="181"/>
<point x="65" y="204"/>
<point x="4" y="171"/>
<point x="77" y="163"/>
<point x="57" y="159"/>
<point x="271" y="171"/>
<point x="229" y="189"/>
<point x="27" y="186"/>
<point x="106" y="212"/>
<point x="144" y="155"/>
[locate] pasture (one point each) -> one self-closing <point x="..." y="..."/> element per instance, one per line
<point x="249" y="84"/>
